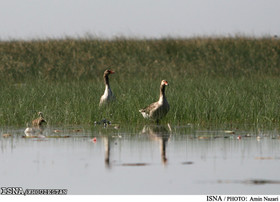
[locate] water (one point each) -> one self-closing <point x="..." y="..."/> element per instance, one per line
<point x="148" y="160"/>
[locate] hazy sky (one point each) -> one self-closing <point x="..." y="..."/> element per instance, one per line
<point x="29" y="19"/>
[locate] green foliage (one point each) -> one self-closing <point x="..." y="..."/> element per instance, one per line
<point x="212" y="81"/>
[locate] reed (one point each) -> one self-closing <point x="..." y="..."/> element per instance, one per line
<point x="212" y="81"/>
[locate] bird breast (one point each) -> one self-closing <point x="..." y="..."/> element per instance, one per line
<point x="107" y="96"/>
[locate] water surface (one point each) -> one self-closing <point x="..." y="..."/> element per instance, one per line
<point x="143" y="160"/>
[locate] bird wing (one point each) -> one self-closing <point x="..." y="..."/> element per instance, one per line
<point x="38" y="121"/>
<point x="149" y="108"/>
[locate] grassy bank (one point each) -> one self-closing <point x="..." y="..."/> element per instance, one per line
<point x="212" y="81"/>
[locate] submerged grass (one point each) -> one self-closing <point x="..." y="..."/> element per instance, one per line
<point x="212" y="81"/>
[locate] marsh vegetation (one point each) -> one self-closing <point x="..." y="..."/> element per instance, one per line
<point x="211" y="81"/>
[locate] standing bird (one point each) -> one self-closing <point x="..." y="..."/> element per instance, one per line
<point x="39" y="121"/>
<point x="108" y="94"/>
<point x="158" y="109"/>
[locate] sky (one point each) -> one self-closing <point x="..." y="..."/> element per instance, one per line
<point x="36" y="19"/>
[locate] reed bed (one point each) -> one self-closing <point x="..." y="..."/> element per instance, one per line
<point x="212" y="81"/>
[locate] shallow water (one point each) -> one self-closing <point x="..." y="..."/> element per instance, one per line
<point x="148" y="160"/>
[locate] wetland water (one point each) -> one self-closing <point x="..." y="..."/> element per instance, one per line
<point x="148" y="160"/>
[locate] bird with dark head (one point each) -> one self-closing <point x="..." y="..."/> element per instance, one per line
<point x="108" y="95"/>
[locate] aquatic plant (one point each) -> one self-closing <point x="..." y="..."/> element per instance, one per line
<point x="211" y="81"/>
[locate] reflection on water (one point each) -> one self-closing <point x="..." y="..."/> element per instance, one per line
<point x="156" y="133"/>
<point x="150" y="159"/>
<point x="161" y="134"/>
<point x="107" y="142"/>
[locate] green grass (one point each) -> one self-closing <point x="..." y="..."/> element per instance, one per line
<point x="212" y="81"/>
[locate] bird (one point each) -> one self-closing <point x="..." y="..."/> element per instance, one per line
<point x="39" y="121"/>
<point x="29" y="131"/>
<point x="159" y="109"/>
<point x="108" y="95"/>
<point x="34" y="131"/>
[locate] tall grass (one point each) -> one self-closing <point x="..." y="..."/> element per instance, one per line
<point x="86" y="58"/>
<point x="212" y="81"/>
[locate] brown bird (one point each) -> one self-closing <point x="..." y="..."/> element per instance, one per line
<point x="39" y="121"/>
<point x="158" y="109"/>
<point x="108" y="94"/>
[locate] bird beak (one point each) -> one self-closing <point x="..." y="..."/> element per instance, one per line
<point x="112" y="72"/>
<point x="166" y="83"/>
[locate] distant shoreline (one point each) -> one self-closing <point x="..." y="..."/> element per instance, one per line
<point x="124" y="37"/>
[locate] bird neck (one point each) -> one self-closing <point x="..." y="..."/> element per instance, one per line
<point x="162" y="92"/>
<point x="106" y="80"/>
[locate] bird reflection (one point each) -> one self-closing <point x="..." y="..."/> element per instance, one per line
<point x="107" y="142"/>
<point x="161" y="134"/>
<point x="157" y="133"/>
